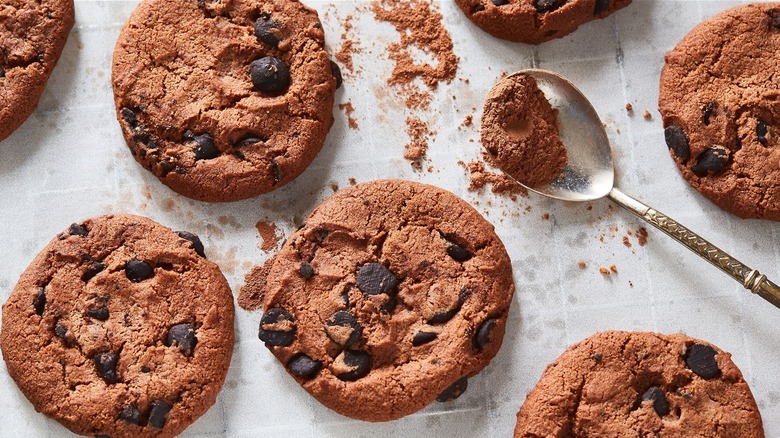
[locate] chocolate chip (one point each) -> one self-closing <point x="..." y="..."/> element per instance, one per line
<point x="145" y="369"/>
<point x="483" y="333"/>
<point x="421" y="338"/>
<point x="158" y="414"/>
<point x="343" y="328"/>
<point x="270" y="74"/>
<point x="138" y="131"/>
<point x="500" y="2"/>
<point x="711" y="161"/>
<point x="442" y="317"/>
<point x="306" y="270"/>
<point x="137" y="271"/>
<point x="597" y="357"/>
<point x="266" y="30"/>
<point x="774" y="18"/>
<point x="77" y="230"/>
<point x="656" y="395"/>
<point x="374" y="279"/>
<point x="761" y="132"/>
<point x="701" y="360"/>
<point x="458" y="253"/>
<point x="707" y="111"/>
<point x="99" y="313"/>
<point x="548" y="5"/>
<point x="39" y="302"/>
<point x="335" y="70"/>
<point x="102" y="436"/>
<point x="204" y="149"/>
<point x="277" y="172"/>
<point x="2" y="72"/>
<point x="131" y="414"/>
<point x="677" y="141"/>
<point x="105" y="364"/>
<point x="182" y="335"/>
<point x="454" y="391"/>
<point x="277" y="328"/>
<point x="94" y="269"/>
<point x="358" y="363"/>
<point x="302" y="365"/>
<point x="197" y="245"/>
<point x="60" y="331"/>
<point x="601" y="7"/>
<point x="479" y="7"/>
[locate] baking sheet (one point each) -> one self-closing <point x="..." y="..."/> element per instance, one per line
<point x="69" y="162"/>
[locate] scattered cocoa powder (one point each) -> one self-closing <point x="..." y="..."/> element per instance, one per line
<point x="626" y="242"/>
<point x="546" y="216"/>
<point x="641" y="235"/>
<point x="613" y="268"/>
<point x="352" y="181"/>
<point x="647" y="115"/>
<point x="349" y="45"/>
<point x="269" y="234"/>
<point x="419" y="134"/>
<point x="348" y="110"/>
<point x="629" y="107"/>
<point x="582" y="265"/>
<point x="469" y="120"/>
<point x="250" y="296"/>
<point x="604" y="271"/>
<point x="501" y="184"/>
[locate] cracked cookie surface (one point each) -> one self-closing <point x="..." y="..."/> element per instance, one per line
<point x="390" y="296"/>
<point x="719" y="98"/>
<point x="120" y="327"/>
<point x="629" y="384"/>
<point x="32" y="36"/>
<point x="223" y="100"/>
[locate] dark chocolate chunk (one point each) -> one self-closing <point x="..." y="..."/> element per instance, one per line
<point x="39" y="302"/>
<point x="336" y="72"/>
<point x="205" y="148"/>
<point x="306" y="270"/>
<point x="105" y="364"/>
<point x="454" y="391"/>
<point x="711" y="161"/>
<point x="197" y="245"/>
<point x="270" y="74"/>
<point x="548" y="5"/>
<point x="421" y="338"/>
<point x="182" y="335"/>
<point x="774" y="18"/>
<point x="158" y="414"/>
<point x="99" y="313"/>
<point x="458" y="253"/>
<point x="761" y="132"/>
<point x="597" y="357"/>
<point x="77" y="230"/>
<point x="442" y="317"/>
<point x="701" y="360"/>
<point x="277" y="172"/>
<point x="140" y="134"/>
<point x="601" y="7"/>
<point x="343" y="328"/>
<point x="137" y="271"/>
<point x="94" y="269"/>
<point x="483" y="333"/>
<point x="277" y="327"/>
<point x="707" y="111"/>
<point x="479" y="7"/>
<point x="266" y="30"/>
<point x="131" y="414"/>
<point x="102" y="436"/>
<point x="656" y="395"/>
<point x="302" y="365"/>
<point x="60" y="331"/>
<point x="359" y="363"/>
<point x="500" y="2"/>
<point x="677" y="141"/>
<point x="374" y="279"/>
<point x="2" y="72"/>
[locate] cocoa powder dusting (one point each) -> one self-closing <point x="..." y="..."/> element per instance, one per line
<point x="348" y="46"/>
<point x="501" y="184"/>
<point x="419" y="134"/>
<point x="641" y="235"/>
<point x="250" y="296"/>
<point x="269" y="234"/>
<point x="348" y="110"/>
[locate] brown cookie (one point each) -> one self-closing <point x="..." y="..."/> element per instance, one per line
<point x="535" y="21"/>
<point x="32" y="36"/>
<point x="390" y="296"/>
<point x="520" y="131"/>
<point x="120" y="327"/>
<point x="720" y="106"/>
<point x="223" y="100"/>
<point x="634" y="384"/>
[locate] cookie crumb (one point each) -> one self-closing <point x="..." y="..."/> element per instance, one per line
<point x="641" y="235"/>
<point x="647" y="115"/>
<point x="250" y="296"/>
<point x="626" y="242"/>
<point x="604" y="271"/>
<point x="629" y="107"/>
<point x="269" y="233"/>
<point x="469" y="120"/>
<point x="334" y="186"/>
<point x="352" y="181"/>
<point x="582" y="264"/>
<point x="613" y="268"/>
<point x="546" y="216"/>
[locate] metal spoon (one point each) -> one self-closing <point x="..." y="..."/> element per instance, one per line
<point x="589" y="174"/>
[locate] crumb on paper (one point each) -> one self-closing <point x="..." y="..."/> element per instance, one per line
<point x="613" y="268"/>
<point x="604" y="271"/>
<point x="334" y="186"/>
<point x="419" y="133"/>
<point x="630" y="283"/>
<point x="626" y="242"/>
<point x="501" y="184"/>
<point x="582" y="264"/>
<point x="546" y="216"/>
<point x="348" y="110"/>
<point x="647" y="115"/>
<point x="269" y="233"/>
<point x="629" y="107"/>
<point x="352" y="181"/>
<point x="641" y="235"/>
<point x="469" y="120"/>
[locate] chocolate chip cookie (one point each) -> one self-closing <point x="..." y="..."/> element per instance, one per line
<point x="223" y="100"/>
<point x="120" y="327"/>
<point x="520" y="131"/>
<point x="535" y="21"/>
<point x="390" y="296"/>
<point x="721" y="112"/>
<point x="32" y="36"/>
<point x="629" y="384"/>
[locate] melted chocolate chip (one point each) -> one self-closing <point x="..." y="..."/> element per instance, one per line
<point x="99" y="313"/>
<point x="158" y="414"/>
<point x="774" y="18"/>
<point x="677" y="141"/>
<point x="105" y="364"/>
<point x="656" y="395"/>
<point x="483" y="333"/>
<point x="761" y="132"/>
<point x="597" y="357"/>
<point x="302" y="365"/>
<point x="197" y="245"/>
<point x="335" y="70"/>
<point x="182" y="335"/>
<point x="277" y="328"/>
<point x="39" y="302"/>
<point x="421" y="338"/>
<point x="306" y="270"/>
<point x="442" y="317"/>
<point x="137" y="271"/>
<point x="138" y="131"/>
<point x="60" y="331"/>
<point x="701" y="360"/>
<point x="712" y="160"/>
<point x="601" y="7"/>
<point x="548" y="5"/>
<point x="479" y="7"/>
<point x="707" y="111"/>
<point x="205" y="148"/>
<point x="454" y="391"/>
<point x="374" y="279"/>
<point x="343" y="328"/>
<point x="358" y="362"/>
<point x="458" y="253"/>
<point x="270" y="74"/>
<point x="131" y="414"/>
<point x="277" y="172"/>
<point x="266" y="30"/>
<point x="94" y="269"/>
<point x="500" y="2"/>
<point x="77" y="230"/>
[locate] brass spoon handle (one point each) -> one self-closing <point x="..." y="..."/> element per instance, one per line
<point x="750" y="278"/>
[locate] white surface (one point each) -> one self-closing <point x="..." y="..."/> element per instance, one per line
<point x="70" y="162"/>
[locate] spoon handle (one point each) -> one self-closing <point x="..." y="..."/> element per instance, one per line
<point x="750" y="278"/>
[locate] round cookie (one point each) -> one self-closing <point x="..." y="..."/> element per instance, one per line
<point x="32" y="36"/>
<point x="718" y="99"/>
<point x="535" y="21"/>
<point x="223" y="100"/>
<point x="520" y="131"/>
<point x="630" y="384"/>
<point x="389" y="297"/>
<point x="120" y="327"/>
